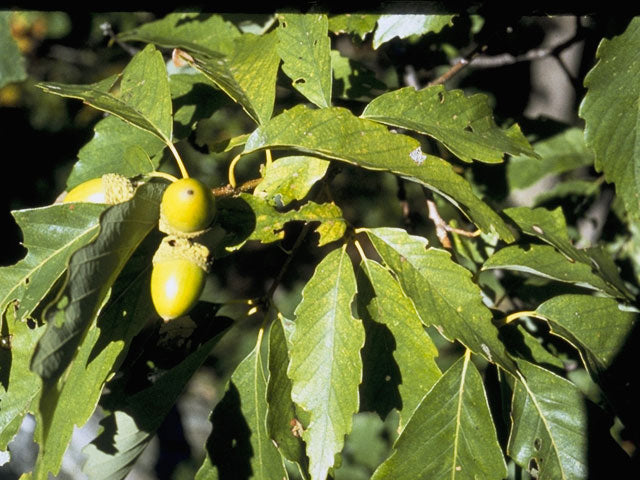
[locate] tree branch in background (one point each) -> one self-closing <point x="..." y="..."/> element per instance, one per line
<point x="442" y="227"/>
<point x="107" y="31"/>
<point x="475" y="59"/>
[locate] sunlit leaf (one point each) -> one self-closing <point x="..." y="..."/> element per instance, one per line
<point x="51" y="235"/>
<point x="184" y="29"/>
<point x="549" y="431"/>
<point x="412" y="370"/>
<point x="450" y="435"/>
<point x="290" y="178"/>
<point x="598" y="327"/>
<point x="305" y="47"/>
<point x="336" y="133"/>
<point x="18" y="385"/>
<point x="356" y="23"/>
<point x="611" y="114"/>
<point x="143" y="100"/>
<point x="92" y="271"/>
<point x="239" y="445"/>
<point x="269" y="222"/>
<point x="404" y="25"/>
<point x="442" y="292"/>
<point x="247" y="75"/>
<point x="325" y="366"/>
<point x="464" y="125"/>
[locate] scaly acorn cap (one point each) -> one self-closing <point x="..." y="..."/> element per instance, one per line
<point x="117" y="189"/>
<point x="164" y="227"/>
<point x="173" y="248"/>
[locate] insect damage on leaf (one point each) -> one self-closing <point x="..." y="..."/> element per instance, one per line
<point x="417" y="156"/>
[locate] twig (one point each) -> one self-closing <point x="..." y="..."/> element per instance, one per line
<point x="443" y="227"/>
<point x="107" y="31"/>
<point x="476" y="60"/>
<point x="455" y="69"/>
<point x="229" y="191"/>
<point x="441" y="230"/>
<point x="457" y="65"/>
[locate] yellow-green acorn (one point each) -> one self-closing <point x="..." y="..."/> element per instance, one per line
<point x="111" y="188"/>
<point x="187" y="208"/>
<point x="178" y="276"/>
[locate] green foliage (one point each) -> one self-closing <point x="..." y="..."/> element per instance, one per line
<point x="452" y="429"/>
<point x="134" y="418"/>
<point x="51" y="235"/>
<point x="467" y="339"/>
<point x="12" y="64"/>
<point x="305" y="50"/>
<point x="128" y="102"/>
<point x="240" y="427"/>
<point x="403" y="26"/>
<point x="335" y="133"/>
<point x="549" y="425"/>
<point x="610" y="123"/>
<point x="247" y="75"/>
<point x="560" y="153"/>
<point x="325" y="366"/>
<point x="442" y="292"/>
<point x="464" y="125"/>
<point x="412" y="370"/>
<point x="290" y="178"/>
<point x="112" y="149"/>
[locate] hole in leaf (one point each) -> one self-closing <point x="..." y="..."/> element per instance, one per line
<point x="31" y="323"/>
<point x="441" y="97"/>
<point x="533" y="468"/>
<point x="172" y="243"/>
<point x="26" y="281"/>
<point x="299" y="81"/>
<point x="468" y="129"/>
<point x="537" y="444"/>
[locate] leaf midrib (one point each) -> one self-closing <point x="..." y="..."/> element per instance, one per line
<point x="53" y="254"/>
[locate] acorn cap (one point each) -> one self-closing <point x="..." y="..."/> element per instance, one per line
<point x="173" y="248"/>
<point x="164" y="227"/>
<point x="117" y="188"/>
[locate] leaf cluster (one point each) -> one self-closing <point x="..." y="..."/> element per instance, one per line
<point x="441" y="349"/>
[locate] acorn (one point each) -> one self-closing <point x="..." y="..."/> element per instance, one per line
<point x="111" y="188"/>
<point x="187" y="208"/>
<point x="180" y="267"/>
